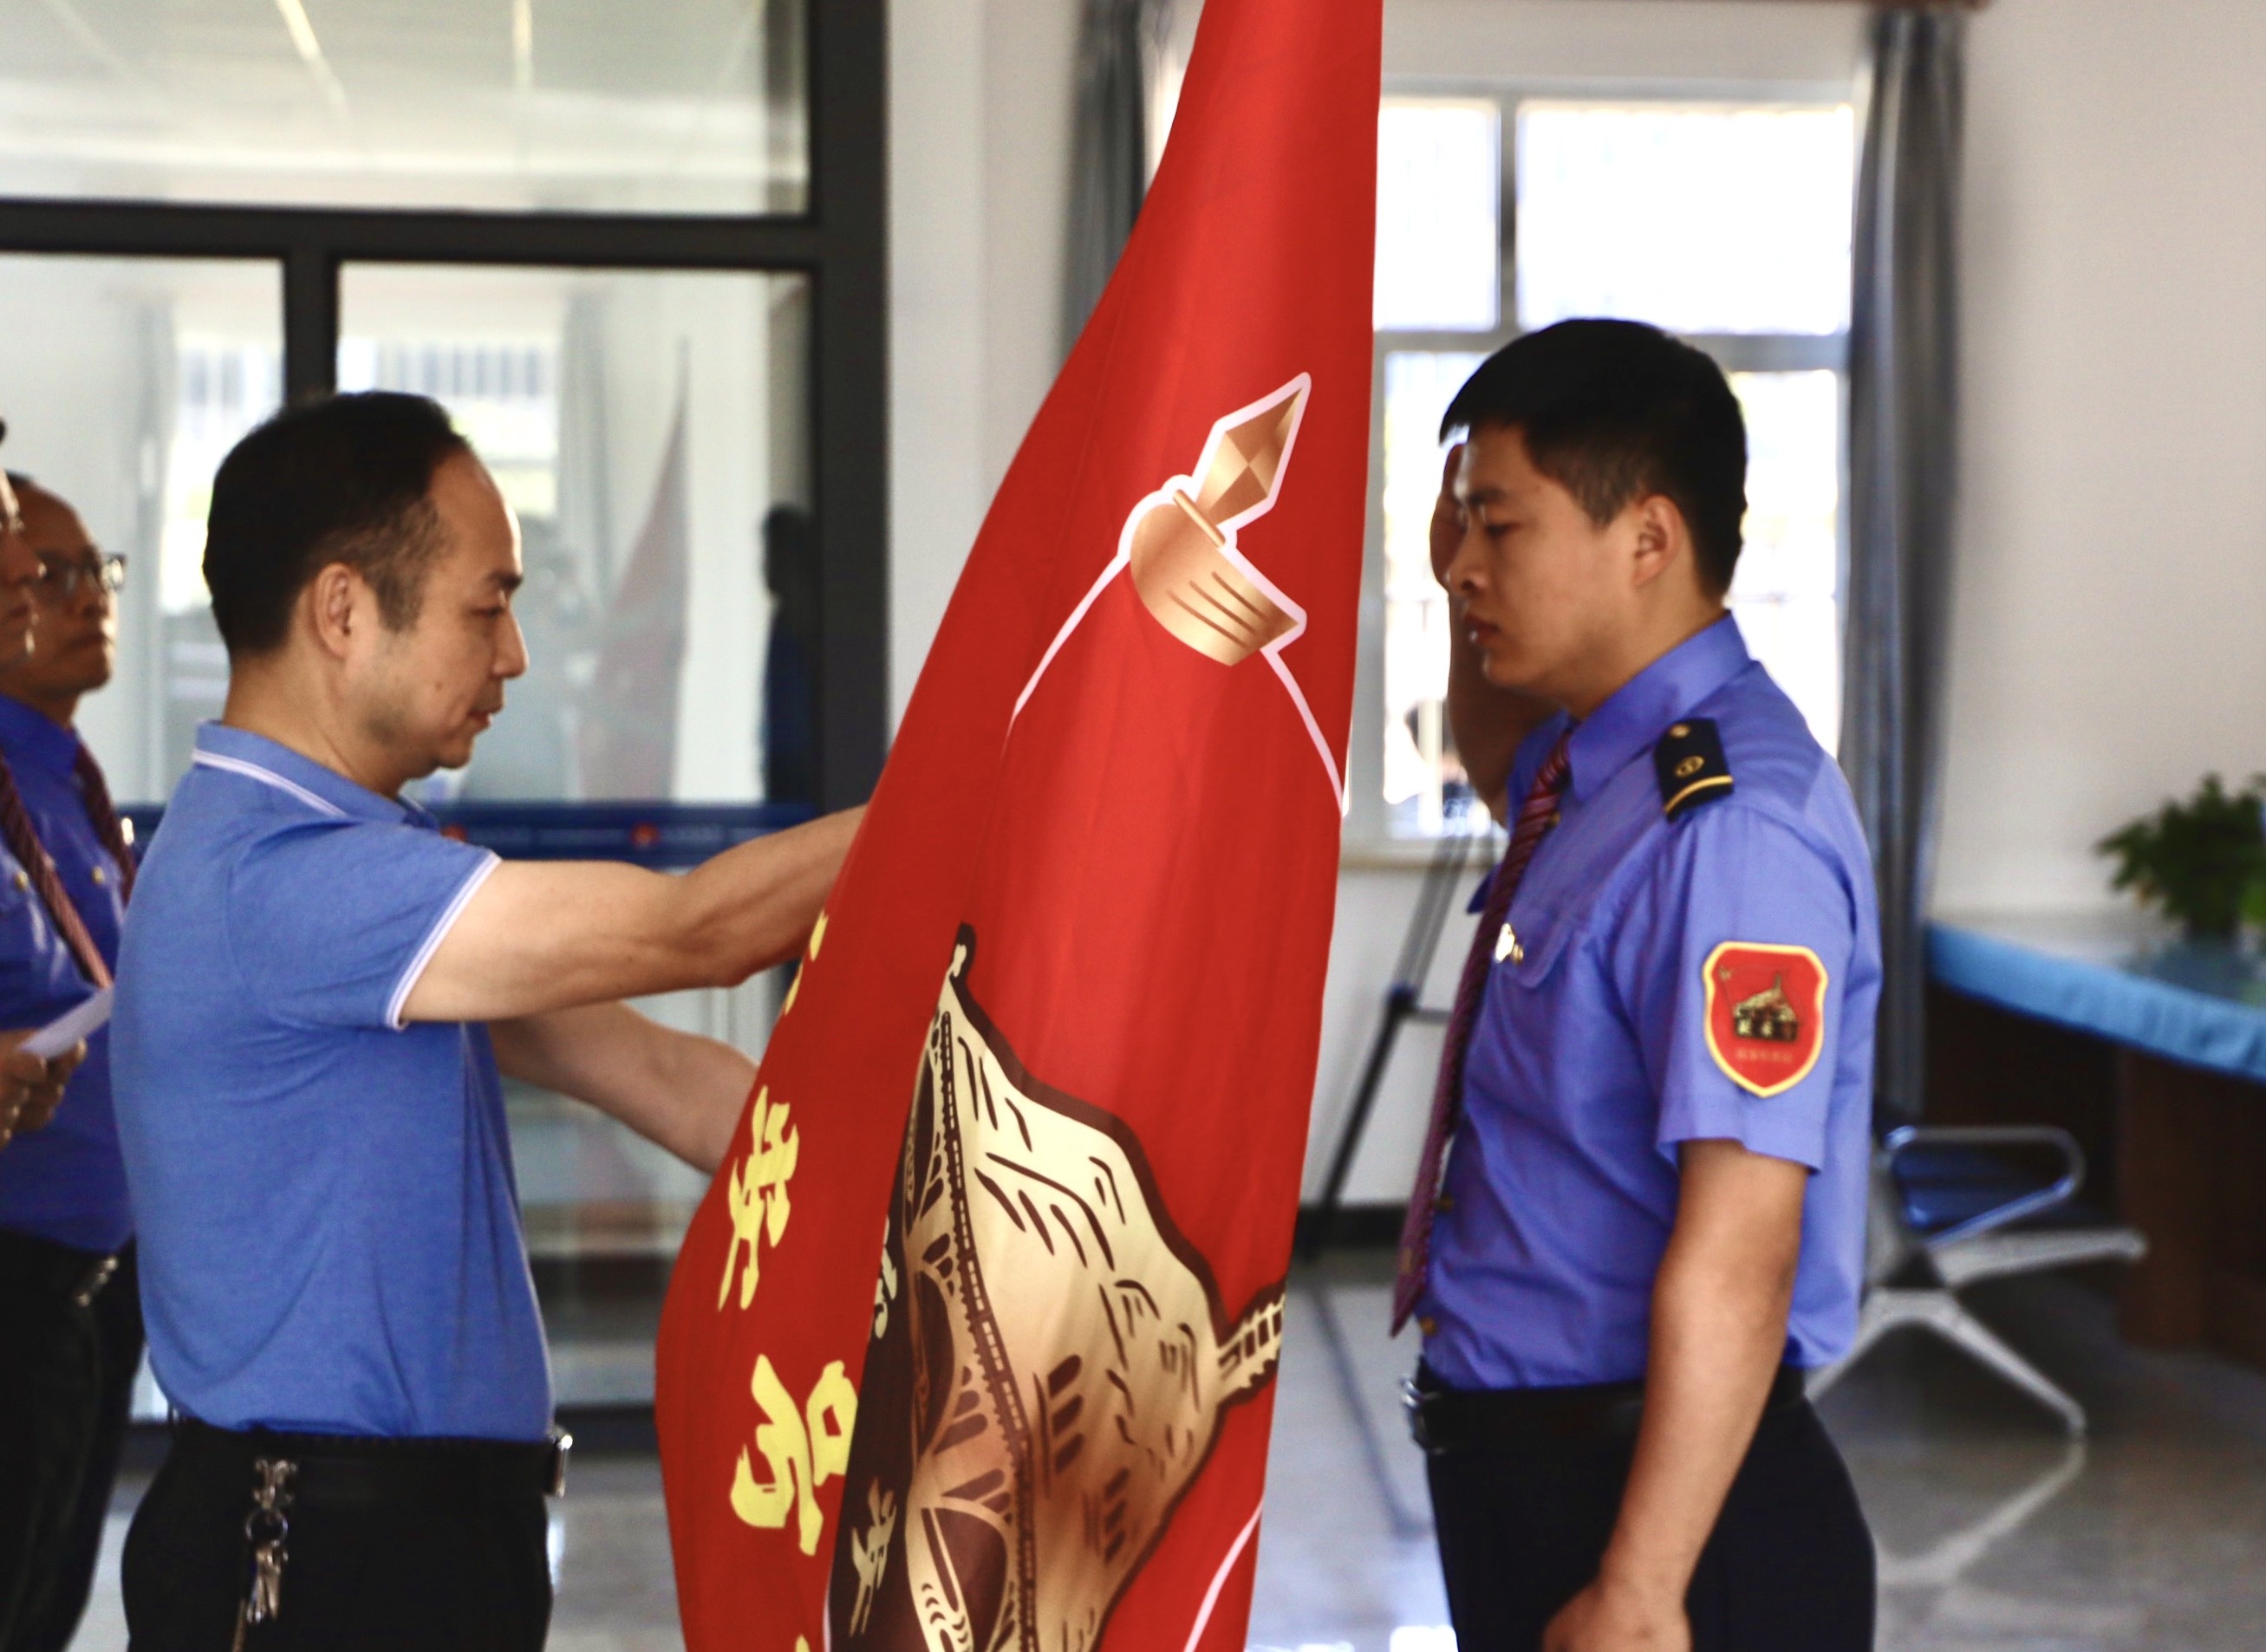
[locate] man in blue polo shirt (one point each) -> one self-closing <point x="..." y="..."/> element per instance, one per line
<point x="316" y="992"/>
<point x="1640" y="1211"/>
<point x="70" y="1321"/>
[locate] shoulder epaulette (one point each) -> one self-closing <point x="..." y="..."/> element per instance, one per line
<point x="1689" y="761"/>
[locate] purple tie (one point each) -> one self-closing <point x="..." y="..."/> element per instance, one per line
<point x="95" y="794"/>
<point x="1536" y="816"/>
<point x="39" y="869"/>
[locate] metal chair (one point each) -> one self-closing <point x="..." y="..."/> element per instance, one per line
<point x="1949" y="1209"/>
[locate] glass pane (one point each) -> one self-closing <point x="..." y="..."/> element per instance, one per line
<point x="1418" y="764"/>
<point x="679" y="105"/>
<point x="649" y="429"/>
<point x="125" y="380"/>
<point x="1439" y="207"/>
<point x="1786" y="594"/>
<point x="1701" y="219"/>
<point x="590" y="1187"/>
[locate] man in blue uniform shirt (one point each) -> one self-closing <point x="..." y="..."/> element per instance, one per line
<point x="316" y="997"/>
<point x="1640" y="1213"/>
<point x="70" y="1326"/>
<point x="31" y="1086"/>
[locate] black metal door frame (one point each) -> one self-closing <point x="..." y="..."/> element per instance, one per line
<point x="840" y="243"/>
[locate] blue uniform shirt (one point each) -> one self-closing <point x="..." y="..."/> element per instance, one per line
<point x="329" y="1233"/>
<point x="1590" y="1060"/>
<point x="63" y="1184"/>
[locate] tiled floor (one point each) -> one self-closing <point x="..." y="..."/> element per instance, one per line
<point x="1996" y="1534"/>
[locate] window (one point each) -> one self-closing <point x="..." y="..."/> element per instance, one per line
<point x="639" y="258"/>
<point x="649" y="431"/>
<point x="1755" y="201"/>
<point x="674" y="105"/>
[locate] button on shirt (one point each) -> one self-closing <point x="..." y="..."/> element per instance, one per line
<point x="64" y="1183"/>
<point x="329" y="1231"/>
<point x="1589" y="1062"/>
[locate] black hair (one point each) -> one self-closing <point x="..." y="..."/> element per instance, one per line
<point x="345" y="479"/>
<point x="1618" y="411"/>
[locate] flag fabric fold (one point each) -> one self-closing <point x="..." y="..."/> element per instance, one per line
<point x="972" y="1344"/>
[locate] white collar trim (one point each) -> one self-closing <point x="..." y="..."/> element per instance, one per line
<point x="268" y="776"/>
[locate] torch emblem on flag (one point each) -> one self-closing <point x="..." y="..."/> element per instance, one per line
<point x="1057" y="1352"/>
<point x="1179" y="544"/>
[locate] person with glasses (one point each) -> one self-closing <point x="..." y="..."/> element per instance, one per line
<point x="70" y="1318"/>
<point x="30" y="1088"/>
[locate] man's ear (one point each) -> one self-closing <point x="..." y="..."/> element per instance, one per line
<point x="335" y="607"/>
<point x="1662" y="538"/>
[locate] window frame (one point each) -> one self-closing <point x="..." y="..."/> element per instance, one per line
<point x="839" y="240"/>
<point x="1369" y="837"/>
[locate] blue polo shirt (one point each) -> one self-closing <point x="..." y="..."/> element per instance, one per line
<point x="1590" y="1061"/>
<point x="329" y="1231"/>
<point x="64" y="1183"/>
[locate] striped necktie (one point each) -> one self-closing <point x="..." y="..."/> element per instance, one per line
<point x="94" y="791"/>
<point x="22" y="839"/>
<point x="1536" y="816"/>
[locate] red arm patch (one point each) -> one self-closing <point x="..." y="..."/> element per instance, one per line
<point x="1766" y="1013"/>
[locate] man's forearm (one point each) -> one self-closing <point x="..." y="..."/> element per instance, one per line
<point x="679" y="1091"/>
<point x="1717" y="1342"/>
<point x="752" y="907"/>
<point x="537" y="937"/>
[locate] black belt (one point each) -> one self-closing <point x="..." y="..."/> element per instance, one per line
<point x="56" y="1269"/>
<point x="361" y="1472"/>
<point x="1442" y="1419"/>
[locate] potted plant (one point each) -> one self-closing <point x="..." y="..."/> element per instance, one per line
<point x="2202" y="861"/>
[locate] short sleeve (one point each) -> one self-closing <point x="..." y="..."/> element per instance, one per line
<point x="333" y="923"/>
<point x="1734" y="967"/>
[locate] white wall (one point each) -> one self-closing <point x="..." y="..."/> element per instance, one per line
<point x="979" y="184"/>
<point x="981" y="102"/>
<point x="2111" y="598"/>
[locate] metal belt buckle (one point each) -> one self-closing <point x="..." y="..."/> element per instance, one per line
<point x="1412" y="1402"/>
<point x="562" y="1445"/>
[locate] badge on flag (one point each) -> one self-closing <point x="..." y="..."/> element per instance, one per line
<point x="972" y="1344"/>
<point x="1766" y="1013"/>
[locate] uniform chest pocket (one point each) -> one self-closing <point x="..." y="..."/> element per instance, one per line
<point x="1529" y="954"/>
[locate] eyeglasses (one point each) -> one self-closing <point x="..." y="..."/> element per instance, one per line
<point x="63" y="577"/>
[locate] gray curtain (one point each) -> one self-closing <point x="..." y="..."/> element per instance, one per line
<point x="1903" y="433"/>
<point x="1109" y="155"/>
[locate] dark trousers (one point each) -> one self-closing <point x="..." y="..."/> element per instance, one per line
<point x="66" y="1379"/>
<point x="1523" y="1526"/>
<point x="456" y="1564"/>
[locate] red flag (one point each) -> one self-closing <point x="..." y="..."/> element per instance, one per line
<point x="1083" y="933"/>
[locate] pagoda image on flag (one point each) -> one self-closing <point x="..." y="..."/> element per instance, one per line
<point x="1062" y="1353"/>
<point x="972" y="1345"/>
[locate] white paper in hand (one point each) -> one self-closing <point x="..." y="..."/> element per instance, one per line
<point x="58" y="1035"/>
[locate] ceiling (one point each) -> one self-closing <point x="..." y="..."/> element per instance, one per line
<point x="688" y="104"/>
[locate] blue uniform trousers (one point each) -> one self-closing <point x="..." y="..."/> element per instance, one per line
<point x="1523" y="1525"/>
<point x="67" y="1371"/>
